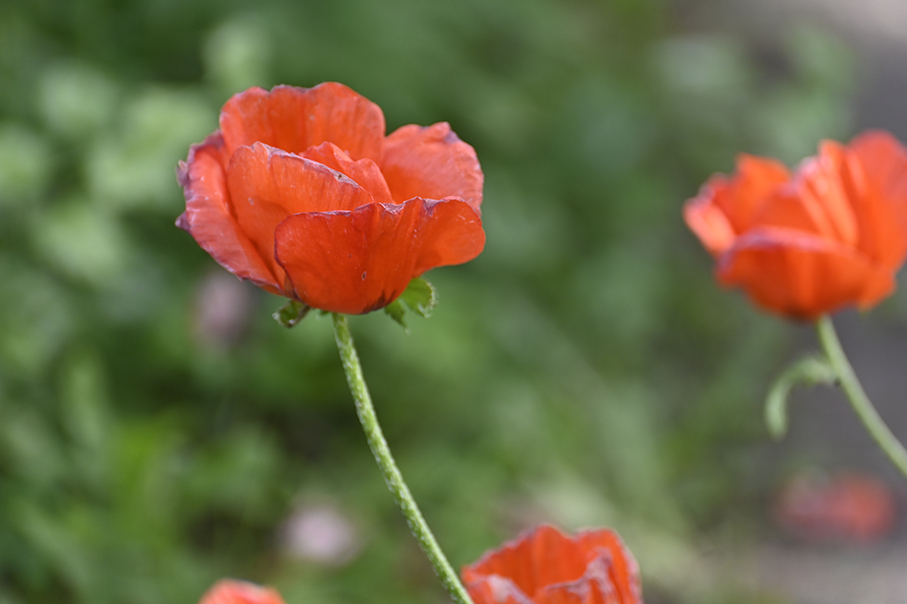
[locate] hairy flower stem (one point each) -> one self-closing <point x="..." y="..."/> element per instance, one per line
<point x="858" y="399"/>
<point x="392" y="475"/>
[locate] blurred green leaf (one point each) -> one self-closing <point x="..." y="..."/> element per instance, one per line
<point x="84" y="241"/>
<point x="36" y="320"/>
<point x="26" y="163"/>
<point x="133" y="166"/>
<point x="825" y="60"/>
<point x="76" y="100"/>
<point x="237" y="54"/>
<point x="36" y="455"/>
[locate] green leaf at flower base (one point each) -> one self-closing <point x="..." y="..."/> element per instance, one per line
<point x="396" y="311"/>
<point x="420" y="297"/>
<point x="291" y="313"/>
<point x="810" y="370"/>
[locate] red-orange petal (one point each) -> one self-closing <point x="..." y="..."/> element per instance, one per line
<point x="708" y="221"/>
<point x="747" y="190"/>
<point x="495" y="589"/>
<point x="876" y="174"/>
<point x="357" y="261"/>
<point x="820" y="190"/>
<point x="622" y="568"/>
<point x="294" y="119"/>
<point x="548" y="567"/>
<point x="791" y="207"/>
<point x="880" y="284"/>
<point x="266" y="185"/>
<point x="795" y="273"/>
<point x="209" y="220"/>
<point x="364" y="172"/>
<point x="228" y="591"/>
<point x="728" y="206"/>
<point x="833" y="235"/>
<point x="432" y="163"/>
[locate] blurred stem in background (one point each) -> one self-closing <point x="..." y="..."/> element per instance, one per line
<point x="857" y="396"/>
<point x="392" y="476"/>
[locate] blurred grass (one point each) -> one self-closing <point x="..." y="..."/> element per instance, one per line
<point x="584" y="370"/>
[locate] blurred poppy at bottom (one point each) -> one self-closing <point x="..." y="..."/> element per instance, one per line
<point x="845" y="507"/>
<point x="545" y="566"/>
<point x="229" y="591"/>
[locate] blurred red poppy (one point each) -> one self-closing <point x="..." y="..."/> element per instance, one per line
<point x="228" y="591"/>
<point x="301" y="192"/>
<point x="830" y="235"/>
<point x="847" y="506"/>
<point x="547" y="567"/>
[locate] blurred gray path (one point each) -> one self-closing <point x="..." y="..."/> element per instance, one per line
<point x="877" y="576"/>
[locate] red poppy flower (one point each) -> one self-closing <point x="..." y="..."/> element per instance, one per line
<point x="547" y="567"/>
<point x="832" y="234"/>
<point x="301" y="192"/>
<point x="847" y="506"/>
<point x="228" y="591"/>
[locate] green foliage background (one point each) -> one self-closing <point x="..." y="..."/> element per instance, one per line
<point x="584" y="370"/>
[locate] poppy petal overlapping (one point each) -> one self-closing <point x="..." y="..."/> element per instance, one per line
<point x="830" y="235"/>
<point x="545" y="566"/>
<point x="301" y="192"/>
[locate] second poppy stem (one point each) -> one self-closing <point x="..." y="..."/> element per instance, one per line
<point x="857" y="396"/>
<point x="392" y="476"/>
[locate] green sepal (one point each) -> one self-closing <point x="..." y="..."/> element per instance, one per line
<point x="396" y="312"/>
<point x="419" y="297"/>
<point x="291" y="313"/>
<point x="809" y="371"/>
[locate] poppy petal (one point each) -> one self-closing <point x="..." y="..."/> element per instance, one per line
<point x="883" y="159"/>
<point x="537" y="559"/>
<point x="266" y="185"/>
<point x="356" y="261"/>
<point x="240" y="592"/>
<point x="495" y="589"/>
<point x="795" y="273"/>
<point x="622" y="567"/>
<point x="876" y="175"/>
<point x="726" y="207"/>
<point x="294" y="119"/>
<point x="708" y="221"/>
<point x="824" y="193"/>
<point x="432" y="163"/>
<point x="365" y="172"/>
<point x="816" y="201"/>
<point x="209" y="220"/>
<point x="791" y="208"/>
<point x="595" y="587"/>
<point x="747" y="191"/>
<point x="547" y="567"/>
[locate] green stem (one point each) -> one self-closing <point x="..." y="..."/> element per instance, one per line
<point x="858" y="399"/>
<point x="392" y="475"/>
